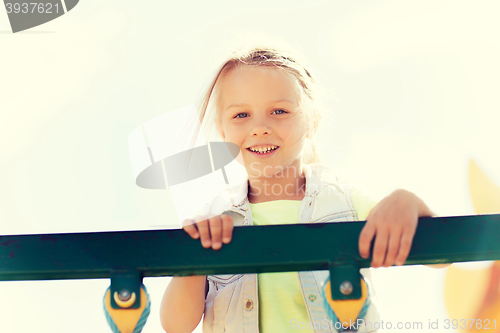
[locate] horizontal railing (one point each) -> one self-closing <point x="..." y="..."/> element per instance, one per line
<point x="258" y="249"/>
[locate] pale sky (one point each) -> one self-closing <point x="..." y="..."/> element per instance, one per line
<point x="411" y="89"/>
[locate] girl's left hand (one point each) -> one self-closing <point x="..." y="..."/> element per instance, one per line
<point x="393" y="221"/>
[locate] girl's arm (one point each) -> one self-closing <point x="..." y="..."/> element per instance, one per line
<point x="183" y="304"/>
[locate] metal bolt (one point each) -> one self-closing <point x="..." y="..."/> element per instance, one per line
<point x="124" y="295"/>
<point x="346" y="288"/>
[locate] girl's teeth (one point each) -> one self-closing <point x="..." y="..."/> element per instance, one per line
<point x="263" y="150"/>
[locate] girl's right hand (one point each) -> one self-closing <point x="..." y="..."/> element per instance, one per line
<point x="212" y="231"/>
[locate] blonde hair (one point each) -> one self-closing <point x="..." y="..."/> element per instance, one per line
<point x="280" y="60"/>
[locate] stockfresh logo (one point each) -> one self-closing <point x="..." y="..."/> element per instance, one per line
<point x="26" y="14"/>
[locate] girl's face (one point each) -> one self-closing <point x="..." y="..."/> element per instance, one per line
<point x="259" y="111"/>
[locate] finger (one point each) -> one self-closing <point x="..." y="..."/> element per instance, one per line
<point x="204" y="231"/>
<point x="216" y="232"/>
<point x="365" y="240"/>
<point x="380" y="247"/>
<point x="227" y="228"/>
<point x="392" y="250"/>
<point x="190" y="228"/>
<point x="193" y="221"/>
<point x="405" y="247"/>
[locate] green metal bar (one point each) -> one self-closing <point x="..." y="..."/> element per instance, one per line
<point x="258" y="249"/>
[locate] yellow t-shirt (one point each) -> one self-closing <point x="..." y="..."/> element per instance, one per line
<point x="281" y="306"/>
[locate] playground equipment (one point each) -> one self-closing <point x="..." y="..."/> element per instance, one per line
<point x="127" y="257"/>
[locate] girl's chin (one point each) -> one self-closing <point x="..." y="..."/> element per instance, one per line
<point x="265" y="171"/>
<point x="257" y="169"/>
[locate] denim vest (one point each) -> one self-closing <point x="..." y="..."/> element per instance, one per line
<point x="232" y="301"/>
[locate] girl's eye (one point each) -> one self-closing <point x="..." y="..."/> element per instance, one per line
<point x="241" y="115"/>
<point x="279" y="111"/>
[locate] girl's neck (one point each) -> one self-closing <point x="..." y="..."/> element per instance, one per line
<point x="287" y="185"/>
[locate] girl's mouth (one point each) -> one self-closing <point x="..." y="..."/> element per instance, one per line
<point x="263" y="152"/>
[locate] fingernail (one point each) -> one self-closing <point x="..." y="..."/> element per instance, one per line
<point x="206" y="243"/>
<point x="196" y="235"/>
<point x="226" y="239"/>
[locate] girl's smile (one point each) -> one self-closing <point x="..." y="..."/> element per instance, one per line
<point x="263" y="152"/>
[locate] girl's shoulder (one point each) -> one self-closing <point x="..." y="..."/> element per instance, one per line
<point x="322" y="175"/>
<point x="325" y="176"/>
<point x="333" y="187"/>
<point x="225" y="199"/>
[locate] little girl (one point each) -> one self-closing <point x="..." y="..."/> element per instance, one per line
<point x="264" y="101"/>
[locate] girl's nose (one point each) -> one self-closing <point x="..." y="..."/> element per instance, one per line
<point x="260" y="125"/>
<point x="261" y="129"/>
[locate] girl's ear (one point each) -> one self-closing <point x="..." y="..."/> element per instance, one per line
<point x="312" y="128"/>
